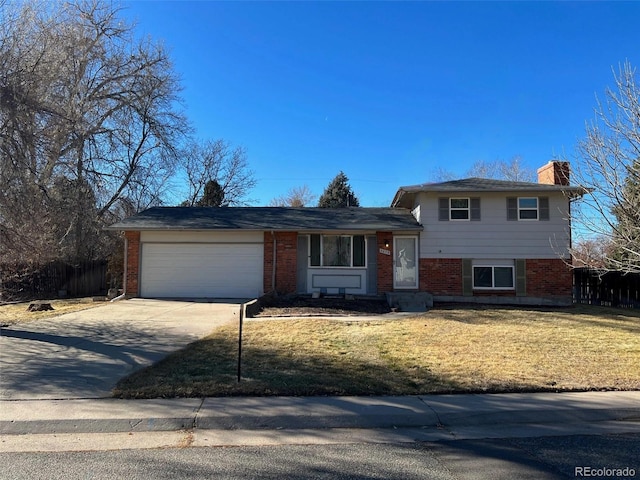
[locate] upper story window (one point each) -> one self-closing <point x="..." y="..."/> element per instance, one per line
<point x="528" y="208"/>
<point x="458" y="208"/>
<point x="337" y="251"/>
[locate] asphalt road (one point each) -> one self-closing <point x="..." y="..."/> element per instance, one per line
<point x="520" y="458"/>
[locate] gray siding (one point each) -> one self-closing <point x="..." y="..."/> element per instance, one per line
<point x="494" y="236"/>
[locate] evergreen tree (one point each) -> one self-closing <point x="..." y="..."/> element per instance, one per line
<point x="338" y="194"/>
<point x="213" y="195"/>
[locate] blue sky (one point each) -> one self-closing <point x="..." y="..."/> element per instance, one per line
<point x="389" y="92"/>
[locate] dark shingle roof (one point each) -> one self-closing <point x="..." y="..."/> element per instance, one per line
<point x="270" y="218"/>
<point x="403" y="197"/>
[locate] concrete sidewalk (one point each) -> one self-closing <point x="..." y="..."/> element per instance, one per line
<point x="449" y="415"/>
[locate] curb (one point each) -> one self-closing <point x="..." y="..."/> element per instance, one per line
<point x="298" y="413"/>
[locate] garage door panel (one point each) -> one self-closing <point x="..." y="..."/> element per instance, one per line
<point x="202" y="270"/>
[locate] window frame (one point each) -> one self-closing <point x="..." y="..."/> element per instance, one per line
<point x="493" y="267"/>
<point x="322" y="250"/>
<point x="529" y="209"/>
<point x="460" y="209"/>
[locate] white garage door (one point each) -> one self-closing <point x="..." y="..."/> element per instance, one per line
<point x="201" y="270"/>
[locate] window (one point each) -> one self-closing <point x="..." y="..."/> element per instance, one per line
<point x="337" y="251"/>
<point x="459" y="208"/>
<point x="528" y="208"/>
<point x="493" y="277"/>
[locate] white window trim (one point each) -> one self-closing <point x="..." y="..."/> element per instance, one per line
<point x="537" y="209"/>
<point x="468" y="209"/>
<point x="493" y="266"/>
<point x="350" y="266"/>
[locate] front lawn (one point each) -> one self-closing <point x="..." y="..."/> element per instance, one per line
<point x="13" y="313"/>
<point x="458" y="349"/>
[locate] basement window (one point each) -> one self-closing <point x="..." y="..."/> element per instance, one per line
<point x="489" y="276"/>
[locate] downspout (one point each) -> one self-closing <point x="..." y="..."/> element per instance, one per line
<point x="570" y="233"/>
<point x="273" y="267"/>
<point x="124" y="274"/>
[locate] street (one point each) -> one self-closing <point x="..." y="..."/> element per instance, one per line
<point x="496" y="459"/>
<point x="57" y="422"/>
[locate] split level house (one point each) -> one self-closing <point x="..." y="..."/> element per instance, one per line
<point x="470" y="240"/>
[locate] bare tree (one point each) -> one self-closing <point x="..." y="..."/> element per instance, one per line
<point x="207" y="161"/>
<point x="86" y="106"/>
<point x="608" y="167"/>
<point x="484" y="169"/>
<point x="295" y="197"/>
<point x="441" y="174"/>
<point x="592" y="252"/>
<point x="513" y="170"/>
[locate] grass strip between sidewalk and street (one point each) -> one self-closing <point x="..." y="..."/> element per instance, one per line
<point x="446" y="350"/>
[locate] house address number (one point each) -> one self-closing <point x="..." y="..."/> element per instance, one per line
<point x="384" y="251"/>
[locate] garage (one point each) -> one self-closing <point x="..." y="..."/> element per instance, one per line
<point x="201" y="270"/>
<point x="244" y="252"/>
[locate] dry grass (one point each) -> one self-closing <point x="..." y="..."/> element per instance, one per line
<point x="17" y="312"/>
<point x="445" y="350"/>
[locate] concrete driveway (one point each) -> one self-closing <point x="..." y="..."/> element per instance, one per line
<point x="83" y="354"/>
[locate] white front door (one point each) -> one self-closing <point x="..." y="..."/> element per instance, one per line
<point x="405" y="262"/>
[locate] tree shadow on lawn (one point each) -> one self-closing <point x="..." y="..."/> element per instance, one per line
<point x="208" y="368"/>
<point x="292" y="364"/>
<point x="588" y="315"/>
<point x="626" y="319"/>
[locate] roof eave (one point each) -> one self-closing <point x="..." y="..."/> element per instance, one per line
<point x="397" y="197"/>
<point x="533" y="188"/>
<point x="349" y="228"/>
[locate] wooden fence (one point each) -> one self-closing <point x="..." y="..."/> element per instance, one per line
<point x="54" y="279"/>
<point x="612" y="289"/>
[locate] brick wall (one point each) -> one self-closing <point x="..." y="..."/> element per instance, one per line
<point x="133" y="263"/>
<point x="441" y="276"/>
<point x="549" y="278"/>
<point x="286" y="262"/>
<point x="554" y="173"/>
<point x="385" y="262"/>
<point x="546" y="278"/>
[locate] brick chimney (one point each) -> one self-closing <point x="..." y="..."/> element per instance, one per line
<point x="554" y="173"/>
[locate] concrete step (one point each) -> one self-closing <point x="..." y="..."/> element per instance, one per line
<point x="412" y="306"/>
<point x="410" y="301"/>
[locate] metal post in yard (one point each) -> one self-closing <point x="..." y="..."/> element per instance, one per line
<point x="240" y="342"/>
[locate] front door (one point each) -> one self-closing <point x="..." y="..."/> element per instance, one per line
<point x="405" y="262"/>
